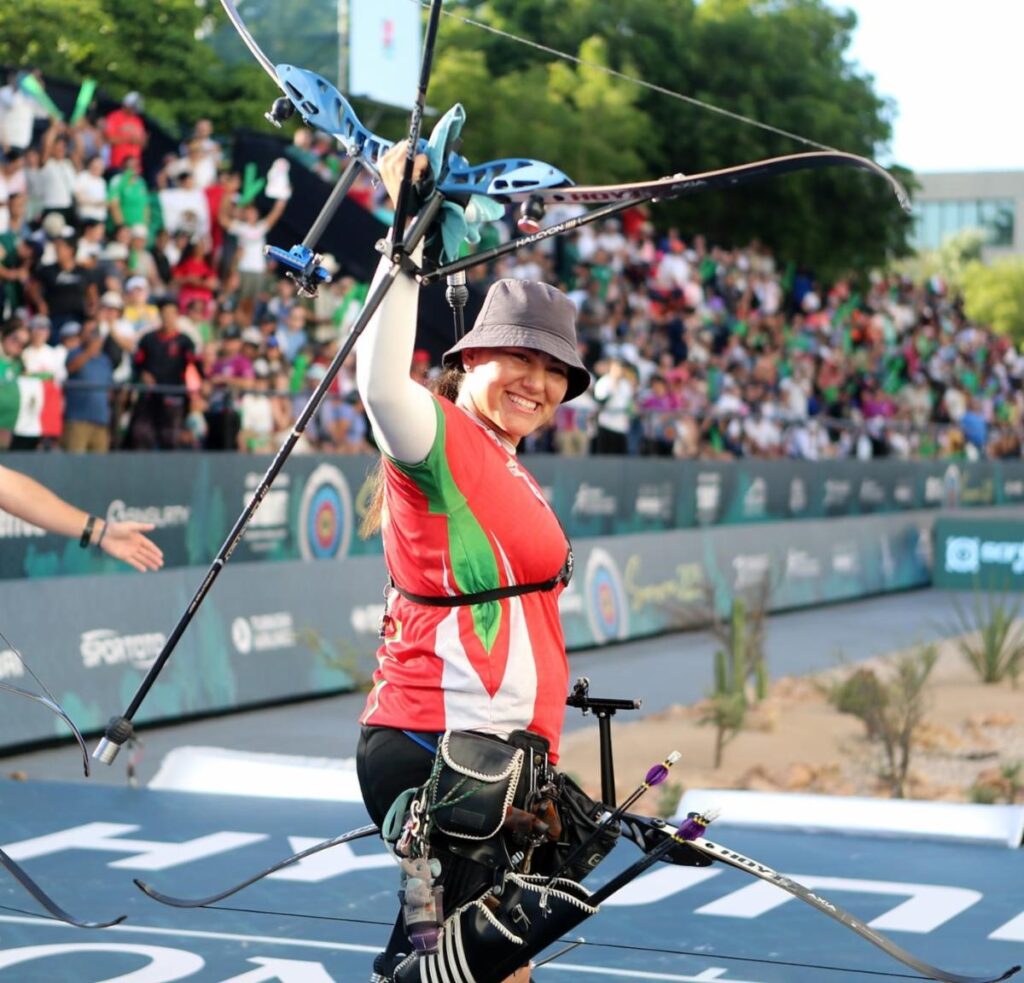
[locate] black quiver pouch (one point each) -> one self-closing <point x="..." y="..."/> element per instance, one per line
<point x="488" y="939"/>
<point x="580" y="816"/>
<point x="475" y="780"/>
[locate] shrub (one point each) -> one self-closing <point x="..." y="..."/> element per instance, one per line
<point x="890" y="705"/>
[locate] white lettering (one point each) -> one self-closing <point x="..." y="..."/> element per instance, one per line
<point x="328" y="863"/>
<point x="165" y="965"/>
<point x="593" y="500"/>
<point x="11" y="527"/>
<point x="149" y="854"/>
<point x="160" y="516"/>
<point x="10" y="665"/>
<point x="283" y="971"/>
<point x="661" y="884"/>
<point x="104" y="646"/>
<point x="928" y="907"/>
<point x="1012" y="931"/>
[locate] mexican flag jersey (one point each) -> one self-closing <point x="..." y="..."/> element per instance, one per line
<point x="467" y="519"/>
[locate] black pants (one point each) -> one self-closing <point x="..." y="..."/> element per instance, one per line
<point x="388" y="762"/>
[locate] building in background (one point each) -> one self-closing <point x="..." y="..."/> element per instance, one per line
<point x="991" y="201"/>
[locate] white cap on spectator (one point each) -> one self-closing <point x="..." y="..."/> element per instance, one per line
<point x="53" y="225"/>
<point x="136" y="283"/>
<point x="112" y="299"/>
<point x="252" y="336"/>
<point x="114" y="251"/>
<point x="140" y="231"/>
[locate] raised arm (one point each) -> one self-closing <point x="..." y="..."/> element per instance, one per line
<point x="401" y="410"/>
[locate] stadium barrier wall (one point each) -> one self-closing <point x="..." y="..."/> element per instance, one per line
<point x="316" y="502"/>
<point x="295" y="628"/>
<point x="980" y="552"/>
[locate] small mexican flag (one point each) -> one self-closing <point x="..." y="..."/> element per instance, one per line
<point x="32" y="407"/>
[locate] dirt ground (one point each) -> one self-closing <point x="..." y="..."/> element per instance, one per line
<point x="795" y="741"/>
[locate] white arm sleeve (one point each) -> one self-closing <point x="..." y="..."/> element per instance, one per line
<point x="402" y="411"/>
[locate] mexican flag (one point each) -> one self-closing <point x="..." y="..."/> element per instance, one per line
<point x="32" y="407"/>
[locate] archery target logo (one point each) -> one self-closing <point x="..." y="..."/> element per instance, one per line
<point x="607" y="608"/>
<point x="325" y="515"/>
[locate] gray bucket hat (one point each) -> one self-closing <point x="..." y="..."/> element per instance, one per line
<point x="527" y="314"/>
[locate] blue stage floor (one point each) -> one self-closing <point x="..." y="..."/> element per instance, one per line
<point x="958" y="906"/>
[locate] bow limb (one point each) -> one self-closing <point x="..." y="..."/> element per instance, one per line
<point x="54" y="707"/>
<point x="15" y="870"/>
<point x="175" y="902"/>
<point x="740" y="862"/>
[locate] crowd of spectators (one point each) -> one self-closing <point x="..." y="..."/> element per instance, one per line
<point x="150" y="305"/>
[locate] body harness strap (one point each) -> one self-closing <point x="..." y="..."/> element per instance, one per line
<point x="494" y="594"/>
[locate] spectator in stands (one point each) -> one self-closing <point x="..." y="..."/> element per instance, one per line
<point x="63" y="289"/>
<point x="138" y="311"/>
<point x="231" y="375"/>
<point x="614" y="392"/>
<point x="90" y="192"/>
<point x="91" y="360"/>
<point x="250" y="234"/>
<point x="58" y="173"/>
<point x="161" y="359"/>
<point x="39" y="357"/>
<point x="125" y="131"/>
<point x="195" y="277"/>
<point x="17" y="116"/>
<point x="128" y="195"/>
<point x="293" y="338"/>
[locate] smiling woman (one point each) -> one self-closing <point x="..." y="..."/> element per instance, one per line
<point x="476" y="557"/>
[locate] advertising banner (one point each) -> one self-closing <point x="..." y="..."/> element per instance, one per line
<point x="193" y="500"/>
<point x="270" y="632"/>
<point x="313" y="509"/>
<point x="979" y="553"/>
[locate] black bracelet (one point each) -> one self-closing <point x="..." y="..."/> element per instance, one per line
<point x="86" y="539"/>
<point x="103" y="532"/>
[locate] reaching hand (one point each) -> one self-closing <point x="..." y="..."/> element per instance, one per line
<point x="124" y="541"/>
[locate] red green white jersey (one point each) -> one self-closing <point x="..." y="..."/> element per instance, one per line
<point x="467" y="519"/>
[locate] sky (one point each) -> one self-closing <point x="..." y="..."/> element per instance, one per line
<point x="954" y="71"/>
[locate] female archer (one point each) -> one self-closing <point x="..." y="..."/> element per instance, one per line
<point x="462" y="521"/>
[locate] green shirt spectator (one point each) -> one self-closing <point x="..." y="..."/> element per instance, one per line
<point x="129" y="196"/>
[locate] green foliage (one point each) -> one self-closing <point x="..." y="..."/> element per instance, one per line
<point x="994" y="295"/>
<point x="949" y="261"/>
<point x="740" y="671"/>
<point x="782" y="62"/>
<point x="993" y="639"/>
<point x="155" y="48"/>
<point x="669" y="796"/>
<point x="1007" y="786"/>
<point x="340" y="657"/>
<point x="890" y="705"/>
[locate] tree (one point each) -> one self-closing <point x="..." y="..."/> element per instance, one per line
<point x="994" y="295"/>
<point x="782" y="62"/>
<point x="155" y="48"/>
